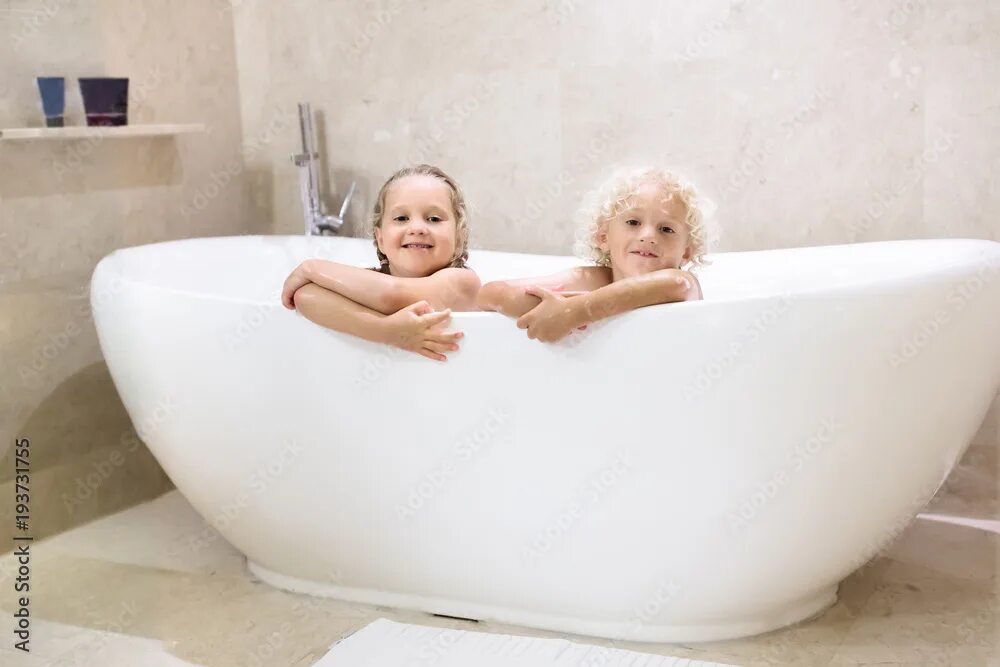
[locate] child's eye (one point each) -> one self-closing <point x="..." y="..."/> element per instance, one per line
<point x="434" y="218"/>
<point x="667" y="230"/>
<point x="632" y="222"/>
<point x="401" y="218"/>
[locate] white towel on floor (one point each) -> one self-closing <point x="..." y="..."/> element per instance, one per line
<point x="386" y="643"/>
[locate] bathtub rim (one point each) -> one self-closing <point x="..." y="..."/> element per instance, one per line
<point x="885" y="284"/>
<point x="796" y="611"/>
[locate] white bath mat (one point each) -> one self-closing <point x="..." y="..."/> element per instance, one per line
<point x="389" y="644"/>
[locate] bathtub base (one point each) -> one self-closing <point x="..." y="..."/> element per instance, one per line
<point x="772" y="619"/>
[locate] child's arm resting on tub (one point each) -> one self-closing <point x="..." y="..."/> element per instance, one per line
<point x="447" y="288"/>
<point x="510" y="298"/>
<point x="417" y="328"/>
<point x="556" y="316"/>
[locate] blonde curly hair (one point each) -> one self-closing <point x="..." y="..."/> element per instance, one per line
<point x="611" y="198"/>
<point x="458" y="205"/>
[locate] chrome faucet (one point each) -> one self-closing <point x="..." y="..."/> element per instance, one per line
<point x="316" y="221"/>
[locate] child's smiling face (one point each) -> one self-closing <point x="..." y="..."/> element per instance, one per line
<point x="648" y="234"/>
<point x="417" y="233"/>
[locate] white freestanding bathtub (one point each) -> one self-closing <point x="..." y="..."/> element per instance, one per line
<point x="683" y="472"/>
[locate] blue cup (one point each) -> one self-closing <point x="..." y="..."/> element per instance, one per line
<point x="105" y="100"/>
<point x="53" y="91"/>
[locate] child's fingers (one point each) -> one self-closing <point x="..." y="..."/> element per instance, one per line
<point x="444" y="336"/>
<point x="435" y="346"/>
<point x="420" y="308"/>
<point x="437" y="317"/>
<point x="430" y="354"/>
<point x="540" y="292"/>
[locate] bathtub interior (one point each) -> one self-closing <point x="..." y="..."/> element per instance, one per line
<point x="252" y="268"/>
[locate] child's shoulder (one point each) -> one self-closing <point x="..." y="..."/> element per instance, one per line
<point x="592" y="277"/>
<point x="460" y="275"/>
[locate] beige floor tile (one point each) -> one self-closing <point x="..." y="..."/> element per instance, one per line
<point x="919" y="615"/>
<point x="129" y="589"/>
<point x="163" y="533"/>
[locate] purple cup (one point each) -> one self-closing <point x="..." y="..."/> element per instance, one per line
<point x="105" y="100"/>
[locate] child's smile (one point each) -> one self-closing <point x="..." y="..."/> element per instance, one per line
<point x="418" y="232"/>
<point x="644" y="253"/>
<point x="650" y="234"/>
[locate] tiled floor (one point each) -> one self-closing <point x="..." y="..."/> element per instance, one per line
<point x="119" y="591"/>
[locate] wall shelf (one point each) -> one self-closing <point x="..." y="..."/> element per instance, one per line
<point x="87" y="132"/>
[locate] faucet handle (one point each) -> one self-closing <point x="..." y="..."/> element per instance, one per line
<point x="347" y="199"/>
<point x="302" y="159"/>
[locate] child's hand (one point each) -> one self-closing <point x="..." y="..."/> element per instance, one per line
<point x="419" y="328"/>
<point x="293" y="282"/>
<point x="551" y="320"/>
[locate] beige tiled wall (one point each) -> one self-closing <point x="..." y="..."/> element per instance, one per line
<point x="65" y="204"/>
<point x="808" y="123"/>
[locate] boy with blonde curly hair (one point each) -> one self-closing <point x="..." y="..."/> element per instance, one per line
<point x="644" y="231"/>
